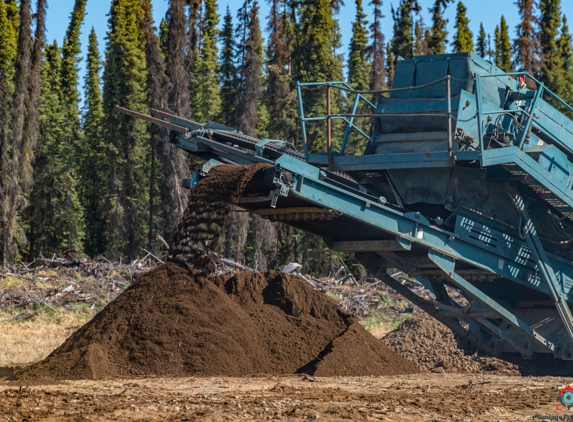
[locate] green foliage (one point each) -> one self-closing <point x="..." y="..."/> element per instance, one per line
<point x="502" y="46"/>
<point x="228" y="72"/>
<point x="420" y="40"/>
<point x="565" y="89"/>
<point x="163" y="36"/>
<point x="438" y="35"/>
<point x="101" y="182"/>
<point x="93" y="154"/>
<point x="125" y="81"/>
<point x="70" y="60"/>
<point x="314" y="59"/>
<point x="8" y="39"/>
<point x="278" y="96"/>
<point x="52" y="200"/>
<point x="403" y="40"/>
<point x="8" y="43"/>
<point x="376" y="49"/>
<point x="382" y="322"/>
<point x="481" y="46"/>
<point x="249" y="58"/>
<point x="550" y="22"/>
<point x="359" y="73"/>
<point x="463" y="39"/>
<point x="205" y="88"/>
<point x="390" y="63"/>
<point x="358" y="66"/>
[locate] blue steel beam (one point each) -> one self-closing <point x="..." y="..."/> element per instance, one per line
<point x="543" y="263"/>
<point x="302" y="121"/>
<point x="376" y="267"/>
<point x="527" y="127"/>
<point x="447" y="265"/>
<point x="413" y="227"/>
<point x="350" y="125"/>
<point x="513" y="155"/>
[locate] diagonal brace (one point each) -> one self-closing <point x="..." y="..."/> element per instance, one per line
<point x="542" y="261"/>
<point x="447" y="265"/>
<point x="448" y="322"/>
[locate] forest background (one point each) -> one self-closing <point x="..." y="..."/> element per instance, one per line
<point x="78" y="179"/>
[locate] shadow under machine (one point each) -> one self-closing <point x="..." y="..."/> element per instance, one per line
<point x="466" y="180"/>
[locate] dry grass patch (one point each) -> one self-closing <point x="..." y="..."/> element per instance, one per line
<point x="381" y="323"/>
<point x="27" y="341"/>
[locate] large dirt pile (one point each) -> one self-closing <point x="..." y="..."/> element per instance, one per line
<point x="432" y="345"/>
<point x="175" y="321"/>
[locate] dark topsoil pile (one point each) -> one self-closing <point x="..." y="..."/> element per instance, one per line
<point x="175" y="321"/>
<point x="429" y="343"/>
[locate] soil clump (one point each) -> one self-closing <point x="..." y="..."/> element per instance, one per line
<point x="175" y="321"/>
<point x="434" y="348"/>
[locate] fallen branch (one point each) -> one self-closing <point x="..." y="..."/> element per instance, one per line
<point x="235" y="265"/>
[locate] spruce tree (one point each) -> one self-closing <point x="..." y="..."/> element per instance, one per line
<point x="438" y="35"/>
<point x="358" y="66"/>
<point x="420" y="40"/>
<point x="161" y="192"/>
<point x="314" y="59"/>
<point x="163" y="35"/>
<point x="229" y="100"/>
<point x="228" y="73"/>
<point x="71" y="131"/>
<point x="70" y="60"/>
<point x="93" y="157"/>
<point x="376" y="49"/>
<point x="179" y="56"/>
<point x="463" y="39"/>
<point x="32" y="120"/>
<point x="526" y="46"/>
<point x="403" y="40"/>
<point x="54" y="209"/>
<point x="125" y="82"/>
<point x="490" y="49"/>
<point x="8" y="49"/>
<point x="565" y="89"/>
<point x="565" y="46"/>
<point x="205" y="93"/>
<point x="24" y="134"/>
<point x="46" y="217"/>
<point x="481" y="46"/>
<point x="249" y="70"/>
<point x="12" y="199"/>
<point x="390" y="64"/>
<point x="278" y="97"/>
<point x="550" y="22"/>
<point x="502" y="46"/>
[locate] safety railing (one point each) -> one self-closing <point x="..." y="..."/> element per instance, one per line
<point x="348" y="118"/>
<point x="526" y="124"/>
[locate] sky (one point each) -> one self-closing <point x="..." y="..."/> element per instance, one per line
<point x="486" y="11"/>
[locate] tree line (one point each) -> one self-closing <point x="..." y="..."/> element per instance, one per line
<point x="77" y="178"/>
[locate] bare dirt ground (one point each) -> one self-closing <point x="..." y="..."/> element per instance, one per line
<point x="421" y="397"/>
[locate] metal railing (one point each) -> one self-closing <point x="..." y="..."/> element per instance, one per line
<point x="348" y="118"/>
<point x="529" y="113"/>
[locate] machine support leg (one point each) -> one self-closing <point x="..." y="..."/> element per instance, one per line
<point x="543" y="263"/>
<point x="447" y="265"/>
<point x="450" y="323"/>
<point x="441" y="293"/>
<point x="373" y="265"/>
